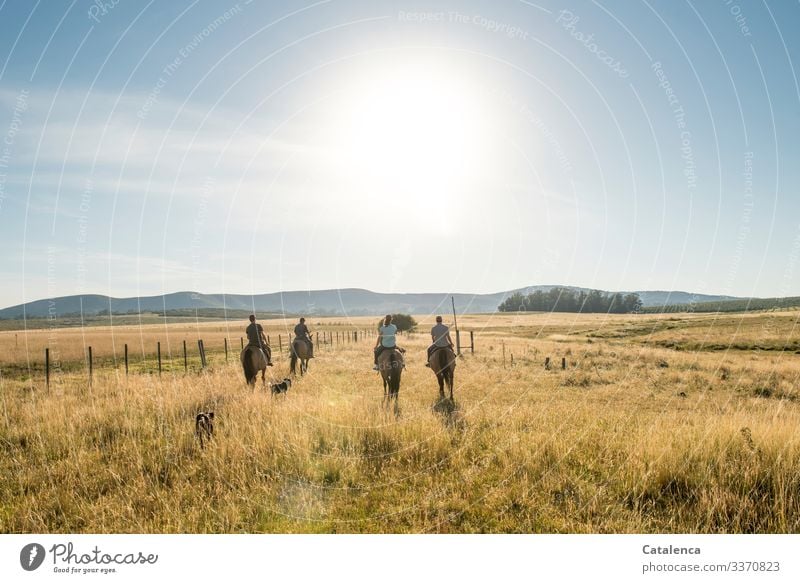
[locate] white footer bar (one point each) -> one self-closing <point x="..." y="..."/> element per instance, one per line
<point x="407" y="558"/>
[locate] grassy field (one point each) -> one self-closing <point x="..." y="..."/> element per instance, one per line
<point x="660" y="423"/>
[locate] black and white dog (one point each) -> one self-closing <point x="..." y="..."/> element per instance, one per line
<point x="281" y="387"/>
<point x="204" y="427"/>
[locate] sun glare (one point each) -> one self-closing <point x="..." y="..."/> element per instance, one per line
<point x="415" y="133"/>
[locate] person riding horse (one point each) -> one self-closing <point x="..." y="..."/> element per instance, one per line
<point x="256" y="338"/>
<point x="440" y="336"/>
<point x="386" y="340"/>
<point x="301" y="332"/>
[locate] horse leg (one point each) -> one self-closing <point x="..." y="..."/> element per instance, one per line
<point x="292" y="363"/>
<point x="440" y="380"/>
<point x="394" y="393"/>
<point x="451" y="381"/>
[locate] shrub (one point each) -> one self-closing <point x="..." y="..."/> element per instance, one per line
<point x="404" y="322"/>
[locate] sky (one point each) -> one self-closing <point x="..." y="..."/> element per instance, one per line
<point x="464" y="146"/>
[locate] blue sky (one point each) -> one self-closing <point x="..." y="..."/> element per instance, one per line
<point x="398" y="146"/>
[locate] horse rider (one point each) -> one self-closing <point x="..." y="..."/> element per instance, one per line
<point x="440" y="336"/>
<point x="301" y="332"/>
<point x="255" y="337"/>
<point x="387" y="338"/>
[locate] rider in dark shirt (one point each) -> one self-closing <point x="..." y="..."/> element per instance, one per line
<point x="301" y="332"/>
<point x="255" y="337"/>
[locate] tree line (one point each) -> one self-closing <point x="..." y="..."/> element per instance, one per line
<point x="560" y="299"/>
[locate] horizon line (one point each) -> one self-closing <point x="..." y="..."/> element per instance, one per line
<point x="382" y="293"/>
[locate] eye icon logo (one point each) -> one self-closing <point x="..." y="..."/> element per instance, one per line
<point x="31" y="556"/>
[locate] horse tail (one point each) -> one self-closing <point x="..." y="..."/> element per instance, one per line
<point x="394" y="379"/>
<point x="451" y="370"/>
<point x="248" y="366"/>
<point x="439" y="362"/>
<point x="444" y="366"/>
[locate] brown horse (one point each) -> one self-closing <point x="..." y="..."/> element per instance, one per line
<point x="443" y="364"/>
<point x="253" y="359"/>
<point x="390" y="363"/>
<point x="299" y="350"/>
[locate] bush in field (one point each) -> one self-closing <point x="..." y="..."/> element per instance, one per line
<point x="404" y="322"/>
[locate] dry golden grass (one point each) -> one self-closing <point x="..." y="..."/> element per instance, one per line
<point x="632" y="437"/>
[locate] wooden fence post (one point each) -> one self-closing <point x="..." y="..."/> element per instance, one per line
<point x="323" y="335"/>
<point x="471" y="342"/>
<point x="47" y="368"/>
<point x="226" y="350"/>
<point x="563" y="363"/>
<point x="458" y="343"/>
<point x="242" y="341"/>
<point x="280" y="344"/>
<point x="126" y="359"/>
<point x="185" y="359"/>
<point x="547" y="363"/>
<point x="200" y="350"/>
<point x="159" y="358"/>
<point x="91" y="365"/>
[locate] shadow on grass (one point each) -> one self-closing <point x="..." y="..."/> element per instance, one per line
<point x="450" y="413"/>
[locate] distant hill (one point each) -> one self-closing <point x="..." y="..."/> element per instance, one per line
<point x="727" y="305"/>
<point x="668" y="298"/>
<point x="350" y="301"/>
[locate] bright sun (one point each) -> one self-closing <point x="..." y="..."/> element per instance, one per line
<point x="415" y="132"/>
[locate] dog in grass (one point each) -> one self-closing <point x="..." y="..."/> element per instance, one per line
<point x="204" y="427"/>
<point x="281" y="387"/>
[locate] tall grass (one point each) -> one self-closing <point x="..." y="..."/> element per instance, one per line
<point x="630" y="438"/>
